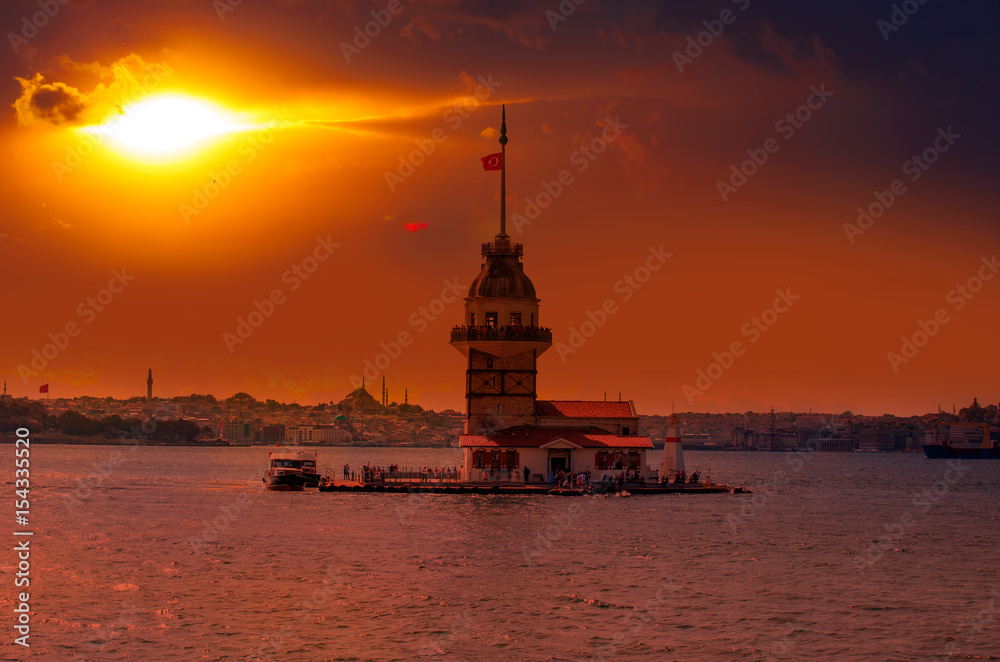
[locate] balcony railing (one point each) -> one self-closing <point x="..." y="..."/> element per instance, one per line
<point x="502" y="246"/>
<point x="506" y="333"/>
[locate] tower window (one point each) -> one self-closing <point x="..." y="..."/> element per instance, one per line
<point x="491" y="319"/>
<point x="489" y="363"/>
<point x="472" y="319"/>
<point x="625" y="430"/>
<point x="532" y="319"/>
<point x="515" y="319"/>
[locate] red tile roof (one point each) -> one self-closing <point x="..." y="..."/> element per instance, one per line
<point x="584" y="409"/>
<point x="528" y="436"/>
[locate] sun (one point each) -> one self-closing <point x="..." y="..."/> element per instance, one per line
<point x="168" y="126"/>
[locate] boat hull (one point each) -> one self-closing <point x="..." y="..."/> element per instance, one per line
<point x="284" y="483"/>
<point x="936" y="452"/>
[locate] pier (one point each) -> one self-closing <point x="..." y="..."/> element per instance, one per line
<point x="444" y="486"/>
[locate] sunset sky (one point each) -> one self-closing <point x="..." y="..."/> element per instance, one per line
<point x="190" y="156"/>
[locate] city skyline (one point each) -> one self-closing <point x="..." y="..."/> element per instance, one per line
<point x="721" y="212"/>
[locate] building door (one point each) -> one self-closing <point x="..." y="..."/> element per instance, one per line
<point x="559" y="460"/>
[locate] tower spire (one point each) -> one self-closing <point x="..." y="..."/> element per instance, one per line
<point x="503" y="171"/>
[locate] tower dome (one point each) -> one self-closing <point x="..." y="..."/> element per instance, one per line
<point x="503" y="273"/>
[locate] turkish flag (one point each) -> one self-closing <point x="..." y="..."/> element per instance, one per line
<point x="493" y="161"/>
<point x="44" y="388"/>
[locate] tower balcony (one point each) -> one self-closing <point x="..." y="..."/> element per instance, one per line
<point x="502" y="245"/>
<point x="501" y="341"/>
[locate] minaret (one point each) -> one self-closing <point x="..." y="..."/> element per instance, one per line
<point x="501" y="336"/>
<point x="149" y="386"/>
<point x="673" y="452"/>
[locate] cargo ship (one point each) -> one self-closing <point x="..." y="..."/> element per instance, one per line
<point x="952" y="440"/>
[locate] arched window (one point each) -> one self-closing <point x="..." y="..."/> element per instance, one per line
<point x="496" y="459"/>
<point x="479" y="459"/>
<point x="512" y="459"/>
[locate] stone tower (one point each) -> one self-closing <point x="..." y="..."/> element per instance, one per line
<point x="501" y="336"/>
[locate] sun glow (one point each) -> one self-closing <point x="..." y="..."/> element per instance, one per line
<point x="168" y="126"/>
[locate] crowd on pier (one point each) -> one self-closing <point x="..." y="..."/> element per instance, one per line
<point x="378" y="475"/>
<point x="370" y="475"/>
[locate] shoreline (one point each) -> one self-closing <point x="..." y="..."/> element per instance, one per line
<point x="101" y="441"/>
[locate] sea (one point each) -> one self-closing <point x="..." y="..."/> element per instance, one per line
<point x="178" y="553"/>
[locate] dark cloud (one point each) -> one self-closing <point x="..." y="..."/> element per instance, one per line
<point x="54" y="103"/>
<point x="60" y="104"/>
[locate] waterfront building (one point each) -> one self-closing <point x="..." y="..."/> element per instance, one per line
<point x="510" y="434"/>
<point x="876" y="440"/>
<point x="316" y="434"/>
<point x="235" y="431"/>
<point x="272" y="432"/>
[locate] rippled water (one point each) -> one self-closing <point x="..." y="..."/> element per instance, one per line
<point x="179" y="554"/>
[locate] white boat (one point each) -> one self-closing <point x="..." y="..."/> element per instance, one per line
<point x="291" y="469"/>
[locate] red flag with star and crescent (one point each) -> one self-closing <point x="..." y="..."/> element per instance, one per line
<point x="44" y="388"/>
<point x="493" y="161"/>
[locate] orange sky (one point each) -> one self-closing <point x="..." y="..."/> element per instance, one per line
<point x="318" y="135"/>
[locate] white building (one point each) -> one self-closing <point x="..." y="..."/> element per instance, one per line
<point x="545" y="450"/>
<point x="316" y="434"/>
